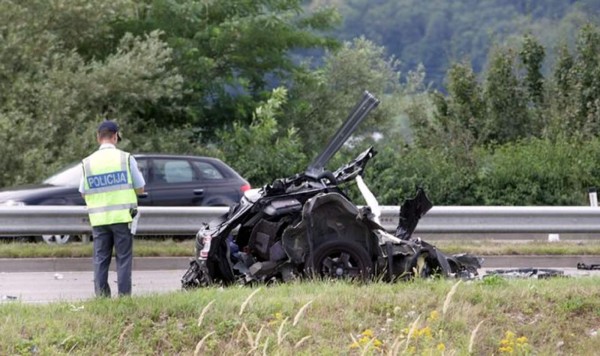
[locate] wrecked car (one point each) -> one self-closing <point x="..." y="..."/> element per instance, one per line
<point x="307" y="226"/>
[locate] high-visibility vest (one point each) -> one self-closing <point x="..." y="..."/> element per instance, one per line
<point x="108" y="187"/>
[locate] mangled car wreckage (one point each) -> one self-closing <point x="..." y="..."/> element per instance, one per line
<point x="306" y="226"/>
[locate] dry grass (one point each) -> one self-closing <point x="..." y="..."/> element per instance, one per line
<point x="546" y="317"/>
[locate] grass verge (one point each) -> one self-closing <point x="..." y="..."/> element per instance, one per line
<point x="432" y="317"/>
<point x="171" y="248"/>
<point x="141" y="248"/>
<point x="532" y="247"/>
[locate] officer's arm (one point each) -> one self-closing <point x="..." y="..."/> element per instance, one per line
<point x="81" y="184"/>
<point x="138" y="178"/>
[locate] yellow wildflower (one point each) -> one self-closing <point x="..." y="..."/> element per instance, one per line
<point x="434" y="315"/>
<point x="441" y="347"/>
<point x="277" y="317"/>
<point x="426" y="331"/>
<point x="368" y="333"/>
<point x="364" y="340"/>
<point x="511" y="342"/>
<point x="506" y="349"/>
<point x="522" y="340"/>
<point x="367" y="339"/>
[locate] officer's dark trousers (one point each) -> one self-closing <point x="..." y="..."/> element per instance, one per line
<point x="105" y="237"/>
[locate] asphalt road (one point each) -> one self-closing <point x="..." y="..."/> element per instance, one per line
<point x="52" y="280"/>
<point x="44" y="287"/>
<point x="43" y="280"/>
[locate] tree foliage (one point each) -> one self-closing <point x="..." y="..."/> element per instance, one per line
<point x="514" y="125"/>
<point x="521" y="138"/>
<point x="438" y="33"/>
<point x="323" y="99"/>
<point x="397" y="170"/>
<point x="458" y="118"/>
<point x="538" y="172"/>
<point x="230" y="52"/>
<point x="52" y="99"/>
<point x="577" y="85"/>
<point x="260" y="150"/>
<point x="507" y="118"/>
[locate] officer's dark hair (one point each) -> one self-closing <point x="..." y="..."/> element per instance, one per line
<point x="104" y="134"/>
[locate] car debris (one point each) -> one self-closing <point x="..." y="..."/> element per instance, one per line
<point x="307" y="226"/>
<point x="539" y="273"/>
<point x="588" y="267"/>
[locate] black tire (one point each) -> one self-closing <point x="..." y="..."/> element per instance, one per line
<point x="340" y="259"/>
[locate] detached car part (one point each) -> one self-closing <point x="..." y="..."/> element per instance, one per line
<point x="588" y="267"/>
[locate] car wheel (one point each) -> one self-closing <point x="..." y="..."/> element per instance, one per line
<point x="340" y="259"/>
<point x="56" y="239"/>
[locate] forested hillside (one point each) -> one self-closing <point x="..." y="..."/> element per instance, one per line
<point x="439" y="32"/>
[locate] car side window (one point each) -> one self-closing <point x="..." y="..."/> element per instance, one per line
<point x="208" y="171"/>
<point x="143" y="167"/>
<point x="172" y="171"/>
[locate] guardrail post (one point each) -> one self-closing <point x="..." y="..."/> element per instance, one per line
<point x="593" y="196"/>
<point x="553" y="237"/>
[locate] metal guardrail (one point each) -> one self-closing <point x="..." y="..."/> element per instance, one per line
<point x="73" y="220"/>
<point x="503" y="219"/>
<point x="39" y="220"/>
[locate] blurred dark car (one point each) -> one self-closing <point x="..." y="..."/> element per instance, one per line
<point x="171" y="180"/>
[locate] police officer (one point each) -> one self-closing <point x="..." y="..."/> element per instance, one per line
<point x="111" y="179"/>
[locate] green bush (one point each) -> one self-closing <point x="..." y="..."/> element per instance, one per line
<point x="260" y="152"/>
<point x="396" y="172"/>
<point x="538" y="172"/>
<point x="529" y="172"/>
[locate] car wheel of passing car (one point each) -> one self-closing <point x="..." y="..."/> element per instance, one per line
<point x="56" y="239"/>
<point x="340" y="259"/>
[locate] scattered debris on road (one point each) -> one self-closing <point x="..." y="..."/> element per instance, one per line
<point x="539" y="273"/>
<point x="582" y="265"/>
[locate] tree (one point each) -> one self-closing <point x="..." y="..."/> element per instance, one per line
<point x="322" y="100"/>
<point x="576" y="86"/>
<point x="501" y="109"/>
<point x="532" y="57"/>
<point x="459" y="116"/>
<point x="438" y="33"/>
<point x="263" y="151"/>
<point x="231" y="53"/>
<point x="52" y="98"/>
<point x="507" y="116"/>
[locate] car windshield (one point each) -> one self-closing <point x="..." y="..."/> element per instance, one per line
<point x="68" y="177"/>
